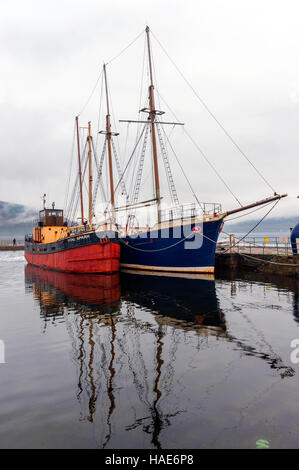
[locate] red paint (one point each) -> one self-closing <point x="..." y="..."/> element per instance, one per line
<point x="97" y="258"/>
<point x="91" y="288"/>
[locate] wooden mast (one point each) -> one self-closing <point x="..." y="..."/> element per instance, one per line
<point x="255" y="204"/>
<point x="152" y="113"/>
<point x="89" y="178"/>
<point x="108" y="134"/>
<point x="80" y="172"/>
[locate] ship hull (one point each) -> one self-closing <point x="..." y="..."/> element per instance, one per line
<point x="86" y="253"/>
<point x="163" y="250"/>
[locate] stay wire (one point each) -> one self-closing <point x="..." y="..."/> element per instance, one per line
<point x="123" y="50"/>
<point x="92" y="92"/>
<point x="254" y="227"/>
<point x="213" y="115"/>
<point x="109" y="62"/>
<point x="201" y="152"/>
<point x="182" y="169"/>
<point x="70" y="169"/>
<point x="248" y="213"/>
<point x="129" y="161"/>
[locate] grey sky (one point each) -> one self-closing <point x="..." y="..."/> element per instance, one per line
<point x="240" y="55"/>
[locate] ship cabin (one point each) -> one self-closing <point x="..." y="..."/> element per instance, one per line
<point x="51" y="226"/>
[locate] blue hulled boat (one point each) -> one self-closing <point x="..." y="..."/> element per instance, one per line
<point x="187" y="244"/>
<point x="183" y="238"/>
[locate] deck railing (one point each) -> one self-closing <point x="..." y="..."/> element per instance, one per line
<point x="186" y="211"/>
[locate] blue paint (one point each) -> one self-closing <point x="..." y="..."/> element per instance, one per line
<point x="173" y="248"/>
<point x="294" y="235"/>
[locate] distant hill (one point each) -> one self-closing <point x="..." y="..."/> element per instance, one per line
<point x="15" y="219"/>
<point x="275" y="224"/>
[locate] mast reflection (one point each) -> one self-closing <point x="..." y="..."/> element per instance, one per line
<point x="87" y="302"/>
<point x="102" y="320"/>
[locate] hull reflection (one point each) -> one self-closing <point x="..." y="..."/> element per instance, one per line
<point x="52" y="287"/>
<point x="178" y="298"/>
<point x="142" y="346"/>
<point x="107" y="340"/>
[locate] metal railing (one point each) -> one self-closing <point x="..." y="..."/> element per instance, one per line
<point x="256" y="245"/>
<point x="185" y="211"/>
<point x="10" y="242"/>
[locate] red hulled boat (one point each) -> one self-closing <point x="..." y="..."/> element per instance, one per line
<point x="66" y="246"/>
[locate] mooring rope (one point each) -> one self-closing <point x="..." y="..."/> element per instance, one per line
<point x="271" y="262"/>
<point x="158" y="249"/>
<point x="253" y="228"/>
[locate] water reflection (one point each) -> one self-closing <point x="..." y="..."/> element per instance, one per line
<point x="186" y="300"/>
<point x="285" y="284"/>
<point x="93" y="307"/>
<point x="129" y="335"/>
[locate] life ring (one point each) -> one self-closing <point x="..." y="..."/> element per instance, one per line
<point x="197" y="229"/>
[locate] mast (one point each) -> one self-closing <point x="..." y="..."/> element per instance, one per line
<point x="108" y="134"/>
<point x="255" y="204"/>
<point x="152" y="113"/>
<point x="80" y="172"/>
<point x="89" y="178"/>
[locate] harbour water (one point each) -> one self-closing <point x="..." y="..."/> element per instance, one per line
<point x="135" y="361"/>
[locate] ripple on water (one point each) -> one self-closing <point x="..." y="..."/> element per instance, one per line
<point x="11" y="271"/>
<point x="145" y="361"/>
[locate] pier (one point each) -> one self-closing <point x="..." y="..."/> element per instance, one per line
<point x="10" y="245"/>
<point x="272" y="255"/>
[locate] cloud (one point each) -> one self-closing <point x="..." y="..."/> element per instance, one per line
<point x="239" y="56"/>
<point x="14" y="213"/>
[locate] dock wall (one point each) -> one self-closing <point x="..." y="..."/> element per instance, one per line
<point x="279" y="264"/>
<point x="11" y="247"/>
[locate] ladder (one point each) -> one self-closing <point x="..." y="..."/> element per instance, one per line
<point x="171" y="185"/>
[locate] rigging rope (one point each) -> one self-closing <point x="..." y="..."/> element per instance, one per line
<point x="126" y="167"/>
<point x="109" y="62"/>
<point x="91" y="94"/>
<point x="201" y="152"/>
<point x="158" y="249"/>
<point x="100" y="111"/>
<point x="70" y="170"/>
<point x="123" y="50"/>
<point x="182" y="169"/>
<point x="244" y="215"/>
<point x="268" y="261"/>
<point x="213" y="115"/>
<point x="256" y="225"/>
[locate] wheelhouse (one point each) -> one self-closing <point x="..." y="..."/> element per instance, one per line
<point x="50" y="217"/>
